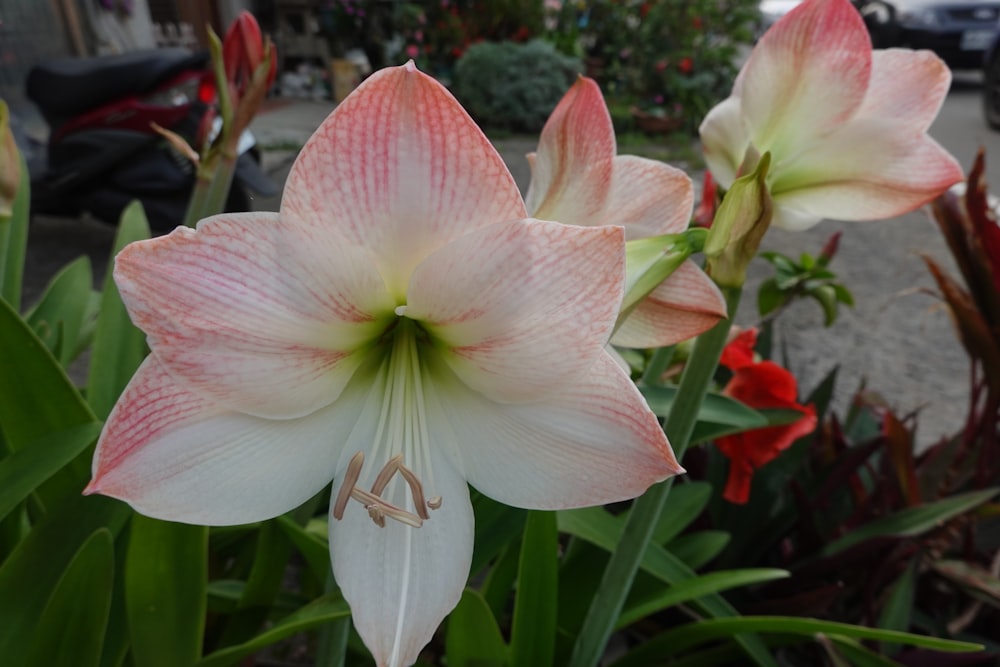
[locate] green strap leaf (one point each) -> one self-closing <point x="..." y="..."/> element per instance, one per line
<point x="119" y="347"/>
<point x="71" y="628"/>
<point x="316" y="551"/>
<point x="33" y="570"/>
<point x="27" y="468"/>
<point x="699" y="549"/>
<point x="321" y="610"/>
<point x="474" y="638"/>
<point x="687" y="501"/>
<point x="59" y="315"/>
<point x="912" y="520"/>
<point x="679" y="639"/>
<point x="898" y="607"/>
<point x="533" y="633"/>
<point x="601" y="529"/>
<point x="166" y="573"/>
<point x="701" y="586"/>
<point x="37" y="399"/>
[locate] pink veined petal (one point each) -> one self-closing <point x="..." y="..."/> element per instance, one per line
<point x="401" y="581"/>
<point x="522" y="306"/>
<point x="401" y="169"/>
<point x="171" y="454"/>
<point x="648" y="198"/>
<point x="256" y="313"/>
<point x="807" y="75"/>
<point x="594" y="442"/>
<point x="571" y="172"/>
<point x="724" y="140"/>
<point x="868" y="170"/>
<point x="684" y="305"/>
<point x="907" y="86"/>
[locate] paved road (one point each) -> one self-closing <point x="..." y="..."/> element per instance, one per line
<point x="897" y="337"/>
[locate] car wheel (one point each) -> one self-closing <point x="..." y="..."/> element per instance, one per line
<point x="991" y="90"/>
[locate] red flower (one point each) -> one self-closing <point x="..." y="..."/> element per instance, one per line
<point x="685" y="65"/>
<point x="762" y="384"/>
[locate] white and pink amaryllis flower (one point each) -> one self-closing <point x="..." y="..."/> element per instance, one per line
<point x="577" y="178"/>
<point x="401" y="328"/>
<point x="846" y="127"/>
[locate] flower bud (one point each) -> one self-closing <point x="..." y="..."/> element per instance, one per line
<point x="10" y="163"/>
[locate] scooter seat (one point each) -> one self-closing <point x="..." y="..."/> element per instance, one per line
<point x="69" y="86"/>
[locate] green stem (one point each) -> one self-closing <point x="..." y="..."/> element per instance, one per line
<point x="199" y="198"/>
<point x="219" y="192"/>
<point x="642" y="519"/>
<point x="657" y="365"/>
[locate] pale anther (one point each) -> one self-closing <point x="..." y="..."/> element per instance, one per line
<point x="376" y="506"/>
<point x="386" y="473"/>
<point x="370" y="500"/>
<point x="347" y="485"/>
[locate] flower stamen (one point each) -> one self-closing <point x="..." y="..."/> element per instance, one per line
<point x="377" y="507"/>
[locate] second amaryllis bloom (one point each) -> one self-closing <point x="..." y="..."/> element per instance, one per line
<point x="846" y="127"/>
<point x="401" y="328"/>
<point x="576" y="178"/>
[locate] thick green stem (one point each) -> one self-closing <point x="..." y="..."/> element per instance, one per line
<point x="199" y="198"/>
<point x="620" y="572"/>
<point x="658" y="365"/>
<point x="219" y="192"/>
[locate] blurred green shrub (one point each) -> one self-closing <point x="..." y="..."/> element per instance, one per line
<point x="512" y="86"/>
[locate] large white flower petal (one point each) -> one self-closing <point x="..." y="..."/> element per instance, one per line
<point x="648" y="198"/>
<point x="400" y="167"/>
<point x="571" y="172"/>
<point x="173" y="455"/>
<point x="255" y="312"/>
<point x="907" y="86"/>
<point x="595" y="442"/>
<point x="807" y="75"/>
<point x="402" y="581"/>
<point x="724" y="140"/>
<point x="868" y="170"/>
<point x="521" y="306"/>
<point x="681" y="307"/>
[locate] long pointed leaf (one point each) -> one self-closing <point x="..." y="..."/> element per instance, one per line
<point x="71" y="629"/>
<point x="166" y="572"/>
<point x="322" y="610"/>
<point x="912" y="520"/>
<point x="474" y="638"/>
<point x="678" y="639"/>
<point x="59" y="315"/>
<point x="533" y="634"/>
<point x="700" y="586"/>
<point x="119" y="346"/>
<point x="27" y="468"/>
<point x="31" y="573"/>
<point x="37" y="399"/>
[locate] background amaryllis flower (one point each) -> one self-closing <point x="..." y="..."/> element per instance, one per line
<point x="762" y="384"/>
<point x="846" y="127"/>
<point x="399" y="327"/>
<point x="577" y="179"/>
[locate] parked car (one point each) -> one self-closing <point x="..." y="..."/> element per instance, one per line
<point x="959" y="31"/>
<point x="772" y="10"/>
<point x="991" y="84"/>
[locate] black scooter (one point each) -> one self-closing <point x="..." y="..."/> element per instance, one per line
<point x="103" y="152"/>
